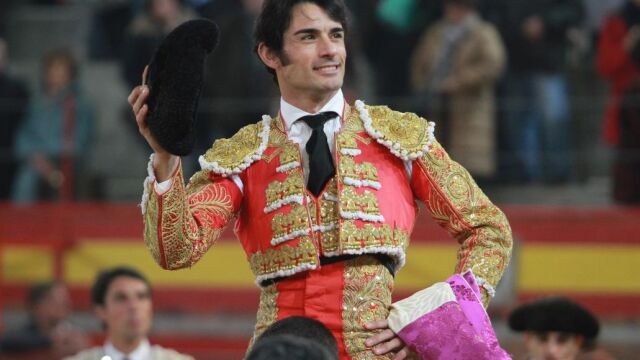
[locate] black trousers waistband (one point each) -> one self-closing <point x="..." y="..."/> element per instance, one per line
<point x="385" y="260"/>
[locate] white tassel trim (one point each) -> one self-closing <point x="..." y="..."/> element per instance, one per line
<point x="485" y="284"/>
<point x="397" y="253"/>
<point x="394" y="147"/>
<point x="248" y="160"/>
<point x="330" y="197"/>
<point x="286" y="167"/>
<point x="350" y="152"/>
<point x="361" y="183"/>
<point x="361" y="216"/>
<point x="283" y="273"/>
<point x="290" y="236"/>
<point x="148" y="181"/>
<point x="325" y="228"/>
<point x="286" y="201"/>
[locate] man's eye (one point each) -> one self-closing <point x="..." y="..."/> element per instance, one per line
<point x="338" y="35"/>
<point x="307" y="37"/>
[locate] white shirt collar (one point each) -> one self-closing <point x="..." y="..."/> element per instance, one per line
<point x="291" y="113"/>
<point x="140" y="353"/>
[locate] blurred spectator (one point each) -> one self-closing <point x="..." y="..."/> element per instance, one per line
<point x="108" y="26"/>
<point x="47" y="332"/>
<point x="54" y="140"/>
<point x="13" y="104"/>
<point x="146" y="32"/>
<point x="297" y="336"/>
<point x="389" y="39"/>
<point x="237" y="90"/>
<point x="618" y="63"/>
<point x="555" y="328"/>
<point x="536" y="131"/>
<point x="454" y="69"/>
<point x="122" y="300"/>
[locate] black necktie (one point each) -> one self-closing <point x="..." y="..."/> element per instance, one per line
<point x="321" y="167"/>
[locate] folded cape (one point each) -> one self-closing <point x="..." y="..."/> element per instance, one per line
<point x="447" y="321"/>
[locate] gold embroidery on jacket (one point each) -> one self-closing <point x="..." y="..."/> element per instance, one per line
<point x="363" y="174"/>
<point x="329" y="219"/>
<point x="280" y="193"/>
<point x="267" y="312"/>
<point x="231" y="153"/>
<point x="368" y="236"/>
<point x="289" y="226"/>
<point x="467" y="214"/>
<point x="151" y="224"/>
<point x="285" y="258"/>
<point x="407" y="130"/>
<point x="185" y="240"/>
<point x="367" y="297"/>
<point x="365" y="204"/>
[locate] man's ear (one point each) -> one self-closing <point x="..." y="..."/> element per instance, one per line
<point x="268" y="56"/>
<point x="100" y="312"/>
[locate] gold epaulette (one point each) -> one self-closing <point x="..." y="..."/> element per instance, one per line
<point x="232" y="156"/>
<point x="407" y="135"/>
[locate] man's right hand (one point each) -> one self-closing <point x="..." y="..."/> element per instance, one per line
<point x="164" y="163"/>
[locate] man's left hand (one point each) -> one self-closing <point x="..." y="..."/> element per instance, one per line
<point x="386" y="340"/>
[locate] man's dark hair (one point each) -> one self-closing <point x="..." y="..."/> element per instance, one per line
<point x="305" y="328"/>
<point x="105" y="278"/>
<point x="289" y="347"/>
<point x="39" y="291"/>
<point x="275" y="19"/>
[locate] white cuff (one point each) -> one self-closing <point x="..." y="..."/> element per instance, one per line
<point x="163" y="187"/>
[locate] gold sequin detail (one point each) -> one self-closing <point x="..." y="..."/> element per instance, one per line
<point x="233" y="152"/>
<point x="284" y="258"/>
<point x="369" y="235"/>
<point x="289" y="154"/>
<point x="281" y="190"/>
<point x="296" y="220"/>
<point x="192" y="219"/>
<point x="367" y="296"/>
<point x="352" y="202"/>
<point x="407" y="130"/>
<point x="364" y="171"/>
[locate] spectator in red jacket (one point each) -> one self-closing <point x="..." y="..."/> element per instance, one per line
<point x="619" y="64"/>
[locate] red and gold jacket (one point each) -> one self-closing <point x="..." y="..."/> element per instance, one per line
<point x="368" y="208"/>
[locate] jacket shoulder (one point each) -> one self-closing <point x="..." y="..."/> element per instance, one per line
<point x="406" y="135"/>
<point x="232" y="156"/>
<point x="160" y="353"/>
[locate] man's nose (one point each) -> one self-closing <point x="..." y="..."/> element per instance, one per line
<point x="328" y="47"/>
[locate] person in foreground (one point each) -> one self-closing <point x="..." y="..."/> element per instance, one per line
<point x="324" y="194"/>
<point x="295" y="337"/>
<point x="122" y="299"/>
<point x="555" y="328"/>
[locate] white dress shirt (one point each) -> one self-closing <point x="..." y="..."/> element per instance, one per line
<point x="299" y="132"/>
<point x="140" y="353"/>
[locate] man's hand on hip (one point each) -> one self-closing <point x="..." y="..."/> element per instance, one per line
<point x="386" y="341"/>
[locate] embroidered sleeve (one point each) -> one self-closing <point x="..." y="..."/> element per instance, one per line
<point x="181" y="224"/>
<point x="457" y="204"/>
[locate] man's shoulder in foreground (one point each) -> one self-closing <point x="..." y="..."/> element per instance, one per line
<point x="156" y="353"/>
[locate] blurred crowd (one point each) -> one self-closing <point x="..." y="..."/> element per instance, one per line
<point x="122" y="300"/>
<point x="495" y="76"/>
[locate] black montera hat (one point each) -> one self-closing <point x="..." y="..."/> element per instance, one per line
<point x="175" y="78"/>
<point x="554" y="314"/>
